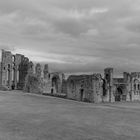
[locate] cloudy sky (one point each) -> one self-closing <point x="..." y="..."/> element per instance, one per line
<point x="73" y="35"/>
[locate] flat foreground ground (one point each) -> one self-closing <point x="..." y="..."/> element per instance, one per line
<point x="31" y="117"/>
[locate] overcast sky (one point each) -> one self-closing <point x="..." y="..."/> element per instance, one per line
<point x="73" y="35"/>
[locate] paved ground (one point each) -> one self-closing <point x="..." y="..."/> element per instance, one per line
<point x="30" y="117"/>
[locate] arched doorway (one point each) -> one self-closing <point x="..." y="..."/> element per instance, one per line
<point x="55" y="84"/>
<point x="118" y="94"/>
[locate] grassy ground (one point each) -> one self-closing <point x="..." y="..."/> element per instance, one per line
<point x="30" y="117"/>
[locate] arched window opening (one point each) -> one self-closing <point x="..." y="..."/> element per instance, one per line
<point x="8" y="66"/>
<point x="138" y="86"/>
<point x="134" y="86"/>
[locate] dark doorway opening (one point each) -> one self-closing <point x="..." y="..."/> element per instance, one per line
<point x="13" y="85"/>
<point x="81" y="94"/>
<point x="55" y="82"/>
<point x="118" y="94"/>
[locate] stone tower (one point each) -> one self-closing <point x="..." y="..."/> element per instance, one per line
<point x="6" y="69"/>
<point x="127" y="89"/>
<point x="30" y="68"/>
<point x="23" y="71"/>
<point x="38" y="70"/>
<point x="108" y="76"/>
<point x="46" y="71"/>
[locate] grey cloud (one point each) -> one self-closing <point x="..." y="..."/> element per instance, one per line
<point x="85" y="42"/>
<point x="71" y="27"/>
<point x="134" y="25"/>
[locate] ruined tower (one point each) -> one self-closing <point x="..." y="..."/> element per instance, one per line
<point x="30" y="68"/>
<point x="127" y="82"/>
<point x="46" y="71"/>
<point x="23" y="71"/>
<point x="38" y="70"/>
<point x="108" y="76"/>
<point x="6" y="69"/>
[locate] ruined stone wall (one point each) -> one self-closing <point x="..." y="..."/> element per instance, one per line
<point x="127" y="89"/>
<point x="135" y="86"/>
<point x="23" y="71"/>
<point x="30" y="67"/>
<point x="0" y="73"/>
<point x="46" y="72"/>
<point x="38" y="70"/>
<point x="85" y="88"/>
<point x="97" y="88"/>
<point x="6" y="69"/>
<point x="108" y="76"/>
<point x="17" y="62"/>
<point x="33" y="84"/>
<point x="64" y="86"/>
<point x="13" y="70"/>
<point x="51" y="83"/>
<point x="73" y="87"/>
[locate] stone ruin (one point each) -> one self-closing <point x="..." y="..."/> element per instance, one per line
<point x="95" y="88"/>
<point x="13" y="70"/>
<point x="44" y="82"/>
<point x="17" y="72"/>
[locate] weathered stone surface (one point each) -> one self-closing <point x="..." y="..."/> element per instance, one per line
<point x="46" y="72"/>
<point x="54" y="83"/>
<point x="13" y="70"/>
<point x="45" y="82"/>
<point x="85" y="88"/>
<point x="38" y="70"/>
<point x="33" y="84"/>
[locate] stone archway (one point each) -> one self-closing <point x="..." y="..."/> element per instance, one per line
<point x="118" y="94"/>
<point x="55" y="84"/>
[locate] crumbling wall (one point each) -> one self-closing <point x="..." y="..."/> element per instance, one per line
<point x="53" y="82"/>
<point x="17" y="62"/>
<point x="6" y="69"/>
<point x="64" y="86"/>
<point x="97" y="88"/>
<point x="13" y="70"/>
<point x="108" y="76"/>
<point x="33" y="84"/>
<point x="79" y="87"/>
<point x="23" y="71"/>
<point x="127" y="90"/>
<point x="38" y="70"/>
<point x="135" y="86"/>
